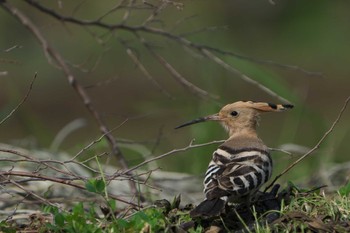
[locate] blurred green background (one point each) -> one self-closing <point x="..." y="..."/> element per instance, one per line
<point x="313" y="35"/>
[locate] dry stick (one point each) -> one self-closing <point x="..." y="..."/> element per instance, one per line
<point x="12" y="48"/>
<point x="55" y="180"/>
<point x="46" y="163"/>
<point x="43" y="200"/>
<point x="281" y="150"/>
<point x="23" y="100"/>
<point x="156" y="12"/>
<point x="127" y="12"/>
<point x="95" y="142"/>
<point x="190" y="146"/>
<point x="314" y="148"/>
<point x="52" y="53"/>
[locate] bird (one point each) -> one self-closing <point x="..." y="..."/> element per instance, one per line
<point x="242" y="164"/>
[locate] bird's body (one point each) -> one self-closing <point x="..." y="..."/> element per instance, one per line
<point x="242" y="164"/>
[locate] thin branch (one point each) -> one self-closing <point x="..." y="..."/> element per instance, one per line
<point x="41" y="199"/>
<point x="45" y="163"/>
<point x="190" y="146"/>
<point x="314" y="148"/>
<point x="281" y="150"/>
<point x="52" y="179"/>
<point x="156" y="11"/>
<point x="12" y="48"/>
<point x="23" y="100"/>
<point x="118" y="6"/>
<point x="96" y="141"/>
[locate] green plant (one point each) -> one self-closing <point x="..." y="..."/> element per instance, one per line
<point x="345" y="190"/>
<point x="6" y="227"/>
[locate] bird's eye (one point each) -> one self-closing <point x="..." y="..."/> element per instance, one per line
<point x="234" y="113"/>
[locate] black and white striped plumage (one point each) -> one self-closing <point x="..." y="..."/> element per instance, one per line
<point x="236" y="172"/>
<point x="242" y="164"/>
<point x="240" y="171"/>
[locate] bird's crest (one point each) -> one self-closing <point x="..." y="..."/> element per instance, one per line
<point x="260" y="106"/>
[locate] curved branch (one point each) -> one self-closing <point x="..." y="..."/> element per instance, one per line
<point x="23" y="100"/>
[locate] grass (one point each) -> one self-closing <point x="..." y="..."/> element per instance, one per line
<point x="301" y="211"/>
<point x="315" y="212"/>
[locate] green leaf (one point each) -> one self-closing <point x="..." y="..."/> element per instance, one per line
<point x="100" y="186"/>
<point x="78" y="209"/>
<point x="122" y="223"/>
<point x="176" y="202"/>
<point x="95" y="185"/>
<point x="90" y="185"/>
<point x="112" y="204"/>
<point x="59" y="220"/>
<point x="143" y="216"/>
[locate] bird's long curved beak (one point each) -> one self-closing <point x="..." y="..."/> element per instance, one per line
<point x="214" y="117"/>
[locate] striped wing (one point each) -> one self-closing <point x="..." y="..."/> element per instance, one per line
<point x="236" y="173"/>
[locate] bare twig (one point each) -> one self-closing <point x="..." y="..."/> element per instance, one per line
<point x="190" y="146"/>
<point x="45" y="163"/>
<point x="127" y="11"/>
<point x="12" y="48"/>
<point x="281" y="150"/>
<point x="96" y="141"/>
<point x="43" y="200"/>
<point x="314" y="148"/>
<point x="23" y="100"/>
<point x="155" y="12"/>
<point x="52" y="179"/>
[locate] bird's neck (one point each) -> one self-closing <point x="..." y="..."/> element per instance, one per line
<point x="243" y="132"/>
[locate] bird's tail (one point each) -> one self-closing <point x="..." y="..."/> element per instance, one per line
<point x="209" y="208"/>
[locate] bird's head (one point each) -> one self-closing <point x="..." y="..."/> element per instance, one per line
<point x="241" y="116"/>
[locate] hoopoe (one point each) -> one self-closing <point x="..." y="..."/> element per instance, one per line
<point x="242" y="164"/>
